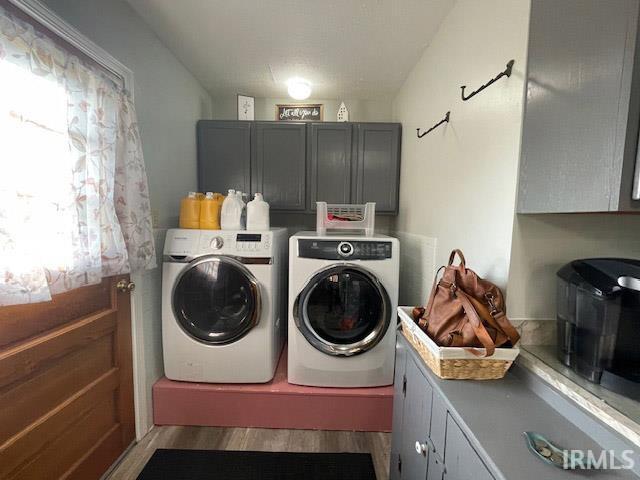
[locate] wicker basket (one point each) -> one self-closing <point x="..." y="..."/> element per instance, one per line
<point x="455" y="362"/>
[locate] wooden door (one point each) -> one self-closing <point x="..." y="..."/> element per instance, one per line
<point x="66" y="384"/>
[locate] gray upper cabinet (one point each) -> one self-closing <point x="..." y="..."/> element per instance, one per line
<point x="295" y="164"/>
<point x="278" y="164"/>
<point x="329" y="152"/>
<point x="224" y="156"/>
<point x="377" y="169"/>
<point x="580" y="130"/>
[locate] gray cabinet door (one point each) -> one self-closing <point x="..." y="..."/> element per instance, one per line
<point x="438" y="438"/>
<point x="399" y="383"/>
<point x="377" y="173"/>
<point x="329" y="153"/>
<point x="576" y="124"/>
<point x="414" y="447"/>
<point x="278" y="164"/>
<point x="224" y="156"/>
<point x="461" y="460"/>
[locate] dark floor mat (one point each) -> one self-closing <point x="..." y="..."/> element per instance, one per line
<point x="169" y="464"/>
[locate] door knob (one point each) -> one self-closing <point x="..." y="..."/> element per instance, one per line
<point x="125" y="286"/>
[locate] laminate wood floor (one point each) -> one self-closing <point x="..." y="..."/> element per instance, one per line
<point x="258" y="439"/>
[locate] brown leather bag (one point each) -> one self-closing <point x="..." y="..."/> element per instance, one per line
<point x="466" y="311"/>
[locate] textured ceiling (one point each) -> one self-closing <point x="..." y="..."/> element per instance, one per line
<point x="345" y="48"/>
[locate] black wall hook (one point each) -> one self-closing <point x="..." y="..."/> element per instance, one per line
<point x="505" y="73"/>
<point x="444" y="120"/>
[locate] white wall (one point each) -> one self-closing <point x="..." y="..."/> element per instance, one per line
<point x="458" y="184"/>
<point x="543" y="243"/>
<point x="169" y="101"/>
<point x="377" y="110"/>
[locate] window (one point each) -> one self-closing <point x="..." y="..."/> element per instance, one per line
<point x="74" y="205"/>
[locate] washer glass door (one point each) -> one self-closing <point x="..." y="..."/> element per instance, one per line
<point x="343" y="310"/>
<point x="216" y="300"/>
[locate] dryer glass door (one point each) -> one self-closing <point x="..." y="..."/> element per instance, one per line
<point x="343" y="310"/>
<point x="216" y="300"/>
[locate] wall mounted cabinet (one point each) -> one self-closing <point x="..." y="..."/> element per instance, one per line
<point x="378" y="165"/>
<point x="330" y="162"/>
<point x="580" y="130"/>
<point x="296" y="164"/>
<point x="278" y="166"/>
<point x="224" y="156"/>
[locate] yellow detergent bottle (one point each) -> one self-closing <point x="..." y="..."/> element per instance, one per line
<point x="210" y="211"/>
<point x="190" y="211"/>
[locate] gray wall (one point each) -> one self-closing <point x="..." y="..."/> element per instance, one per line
<point x="169" y="101"/>
<point x="168" y="98"/>
<point x="378" y="110"/>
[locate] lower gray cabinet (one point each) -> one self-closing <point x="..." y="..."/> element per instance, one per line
<point x="461" y="460"/>
<point x="426" y="441"/>
<point x="278" y="164"/>
<point x="399" y="384"/>
<point x="416" y="422"/>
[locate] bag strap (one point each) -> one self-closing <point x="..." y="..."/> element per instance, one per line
<point x="476" y="323"/>
<point x="432" y="295"/>
<point x="508" y="329"/>
<point x="452" y="257"/>
<point x="498" y="320"/>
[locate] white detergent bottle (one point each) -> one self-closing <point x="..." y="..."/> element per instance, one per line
<point x="243" y="210"/>
<point x="258" y="213"/>
<point x="231" y="212"/>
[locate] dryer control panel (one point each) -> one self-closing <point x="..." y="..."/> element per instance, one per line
<point x="344" y="249"/>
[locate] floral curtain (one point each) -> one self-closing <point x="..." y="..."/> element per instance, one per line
<point x="74" y="201"/>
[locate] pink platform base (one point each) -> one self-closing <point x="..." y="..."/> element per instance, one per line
<point x="276" y="404"/>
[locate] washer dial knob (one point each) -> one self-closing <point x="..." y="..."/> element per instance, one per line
<point x="345" y="249"/>
<point x="216" y="243"/>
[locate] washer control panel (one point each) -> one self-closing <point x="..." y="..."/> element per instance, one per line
<point x="344" y="249"/>
<point x="235" y="243"/>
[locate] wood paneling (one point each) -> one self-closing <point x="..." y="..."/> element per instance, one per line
<point x="66" y="385"/>
<point x="20" y="322"/>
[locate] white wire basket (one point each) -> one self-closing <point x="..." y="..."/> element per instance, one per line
<point x="334" y="216"/>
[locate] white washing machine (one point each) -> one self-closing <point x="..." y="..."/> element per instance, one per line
<point x="223" y="305"/>
<point x="343" y="293"/>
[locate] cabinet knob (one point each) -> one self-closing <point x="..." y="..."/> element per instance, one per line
<point x="421" y="448"/>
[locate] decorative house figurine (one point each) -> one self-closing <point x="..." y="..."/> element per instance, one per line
<point x="343" y="113"/>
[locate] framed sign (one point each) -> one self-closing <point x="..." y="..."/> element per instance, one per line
<point x="300" y="113"/>
<point x="246" y="107"/>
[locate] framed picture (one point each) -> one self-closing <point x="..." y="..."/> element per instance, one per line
<point x="246" y="107"/>
<point x="311" y="112"/>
